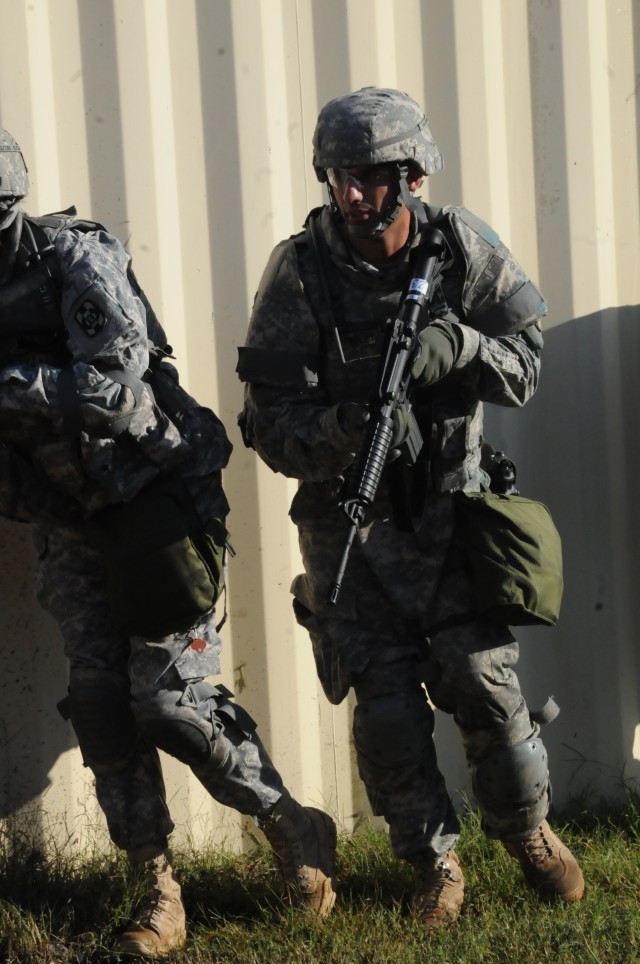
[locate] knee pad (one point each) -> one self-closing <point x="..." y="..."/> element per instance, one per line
<point x="394" y="729"/>
<point x="188" y="724"/>
<point x="99" y="709"/>
<point x="515" y="777"/>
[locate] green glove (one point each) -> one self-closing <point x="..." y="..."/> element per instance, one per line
<point x="400" y="426"/>
<point x="440" y="346"/>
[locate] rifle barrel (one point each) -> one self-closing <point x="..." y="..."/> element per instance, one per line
<point x="336" y="585"/>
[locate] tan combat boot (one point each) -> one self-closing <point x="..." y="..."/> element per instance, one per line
<point x="304" y="842"/>
<point x="548" y="866"/>
<point x="158" y="926"/>
<point x="439" y="889"/>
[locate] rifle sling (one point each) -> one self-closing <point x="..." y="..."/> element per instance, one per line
<point x="319" y="249"/>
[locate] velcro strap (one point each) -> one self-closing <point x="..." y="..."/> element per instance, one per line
<point x="128" y="380"/>
<point x="72" y="418"/>
<point x="286" y="369"/>
<point x="196" y="693"/>
<point x="546" y="713"/>
<point x="517" y="312"/>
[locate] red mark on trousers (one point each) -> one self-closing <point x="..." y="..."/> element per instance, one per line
<point x="199" y="645"/>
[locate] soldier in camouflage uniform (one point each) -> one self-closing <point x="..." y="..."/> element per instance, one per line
<point x="405" y="619"/>
<point x="92" y="420"/>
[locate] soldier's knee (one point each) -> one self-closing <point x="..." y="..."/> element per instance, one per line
<point x="194" y="725"/>
<point x="513" y="777"/>
<point x="394" y="729"/>
<point x="98" y="706"/>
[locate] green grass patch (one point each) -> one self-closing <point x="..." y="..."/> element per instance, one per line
<point x="55" y="908"/>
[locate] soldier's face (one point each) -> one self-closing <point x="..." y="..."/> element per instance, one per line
<point x="368" y="194"/>
<point x="364" y="194"/>
<point x="7" y="214"/>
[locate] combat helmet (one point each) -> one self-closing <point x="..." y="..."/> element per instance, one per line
<point x="373" y="125"/>
<point x="376" y="125"/>
<point x="14" y="180"/>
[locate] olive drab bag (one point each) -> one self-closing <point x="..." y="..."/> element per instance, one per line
<point x="164" y="568"/>
<point x="515" y="554"/>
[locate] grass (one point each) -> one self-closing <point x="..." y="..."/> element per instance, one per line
<point x="54" y="908"/>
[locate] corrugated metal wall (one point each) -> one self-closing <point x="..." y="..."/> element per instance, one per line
<point x="185" y="126"/>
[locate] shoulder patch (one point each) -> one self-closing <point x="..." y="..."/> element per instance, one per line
<point x="90" y="318"/>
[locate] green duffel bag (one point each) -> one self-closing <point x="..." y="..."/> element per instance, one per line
<point x="515" y="554"/>
<point x="164" y="568"/>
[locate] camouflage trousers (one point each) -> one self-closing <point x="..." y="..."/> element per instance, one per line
<point x="406" y="636"/>
<point x="130" y="696"/>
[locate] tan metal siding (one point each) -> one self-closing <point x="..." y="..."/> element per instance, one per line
<point x="185" y="126"/>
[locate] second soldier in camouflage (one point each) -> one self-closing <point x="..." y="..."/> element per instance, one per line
<point x="117" y="470"/>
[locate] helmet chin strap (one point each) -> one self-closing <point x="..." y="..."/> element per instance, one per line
<point x="404" y="198"/>
<point x="10" y="234"/>
<point x="410" y="201"/>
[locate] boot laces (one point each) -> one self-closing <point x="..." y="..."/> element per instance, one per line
<point x="432" y="880"/>
<point x="537" y="847"/>
<point x="150" y="907"/>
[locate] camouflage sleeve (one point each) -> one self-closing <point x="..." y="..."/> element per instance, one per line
<point x="99" y="402"/>
<point x="106" y="331"/>
<point x="503" y="370"/>
<point x="499" y="310"/>
<point x="29" y="402"/>
<point x="107" y="339"/>
<point x="286" y="416"/>
<point x="497" y="297"/>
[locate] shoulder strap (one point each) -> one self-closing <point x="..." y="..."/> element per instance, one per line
<point x="318" y="246"/>
<point x="45" y="229"/>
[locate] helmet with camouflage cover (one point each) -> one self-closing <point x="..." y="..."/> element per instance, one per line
<point x="14" y="180"/>
<point x="373" y="125"/>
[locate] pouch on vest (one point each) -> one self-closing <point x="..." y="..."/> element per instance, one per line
<point x="165" y="569"/>
<point x="515" y="556"/>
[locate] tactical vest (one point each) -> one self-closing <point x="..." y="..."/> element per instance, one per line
<point x="351" y="320"/>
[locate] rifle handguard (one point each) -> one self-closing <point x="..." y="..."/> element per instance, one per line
<point x="394" y="376"/>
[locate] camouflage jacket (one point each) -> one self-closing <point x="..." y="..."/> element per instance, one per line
<point x="92" y="410"/>
<point x="313" y="344"/>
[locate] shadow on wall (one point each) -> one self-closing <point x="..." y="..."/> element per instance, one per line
<point x="577" y="450"/>
<point x="222" y="163"/>
<point x="33" y="679"/>
<point x="576" y="447"/>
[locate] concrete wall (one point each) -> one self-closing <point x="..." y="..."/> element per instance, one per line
<point x="185" y="126"/>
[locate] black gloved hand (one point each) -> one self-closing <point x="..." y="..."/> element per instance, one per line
<point x="352" y="418"/>
<point x="400" y="431"/>
<point x="440" y="346"/>
<point x="400" y="425"/>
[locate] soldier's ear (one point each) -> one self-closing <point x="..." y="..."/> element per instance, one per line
<point x="415" y="177"/>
